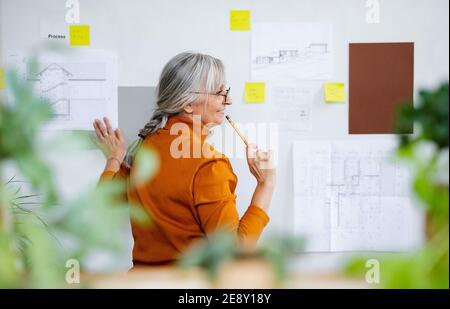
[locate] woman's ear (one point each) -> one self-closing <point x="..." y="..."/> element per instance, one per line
<point x="188" y="108"/>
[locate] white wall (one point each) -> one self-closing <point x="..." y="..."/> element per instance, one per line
<point x="146" y="33"/>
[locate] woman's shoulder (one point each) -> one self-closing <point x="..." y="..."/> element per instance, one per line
<point x="215" y="163"/>
<point x="210" y="154"/>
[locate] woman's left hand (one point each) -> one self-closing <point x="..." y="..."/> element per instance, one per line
<point x="111" y="142"/>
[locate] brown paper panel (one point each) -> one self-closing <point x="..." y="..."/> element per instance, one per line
<point x="381" y="78"/>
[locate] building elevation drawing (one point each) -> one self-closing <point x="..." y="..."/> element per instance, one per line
<point x="79" y="87"/>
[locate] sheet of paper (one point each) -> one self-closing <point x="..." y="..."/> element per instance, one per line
<point x="352" y="195"/>
<point x="255" y="92"/>
<point x="291" y="51"/>
<point x="80" y="86"/>
<point x="80" y="35"/>
<point x="293" y="105"/>
<point x="54" y="31"/>
<point x="240" y="20"/>
<point x="2" y="78"/>
<point x="334" y="92"/>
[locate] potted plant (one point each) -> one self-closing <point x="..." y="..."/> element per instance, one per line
<point x="230" y="264"/>
<point x="426" y="152"/>
<point x="39" y="233"/>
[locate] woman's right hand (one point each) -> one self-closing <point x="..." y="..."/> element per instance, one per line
<point x="261" y="165"/>
<point x="111" y="142"/>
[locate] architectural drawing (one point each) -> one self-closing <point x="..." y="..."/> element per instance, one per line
<point x="352" y="195"/>
<point x="80" y="87"/>
<point x="293" y="55"/>
<point x="293" y="104"/>
<point x="54" y="86"/>
<point x="291" y="51"/>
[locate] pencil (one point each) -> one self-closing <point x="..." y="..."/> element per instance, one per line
<point x="237" y="130"/>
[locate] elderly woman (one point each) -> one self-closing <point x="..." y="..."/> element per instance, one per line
<point x="192" y="194"/>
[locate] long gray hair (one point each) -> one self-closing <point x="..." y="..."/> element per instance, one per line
<point x="184" y="74"/>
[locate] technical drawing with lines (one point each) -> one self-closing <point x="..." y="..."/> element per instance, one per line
<point x="80" y="87"/>
<point x="352" y="195"/>
<point x="291" y="51"/>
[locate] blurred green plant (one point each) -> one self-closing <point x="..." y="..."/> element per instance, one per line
<point x="426" y="152"/>
<point x="37" y="237"/>
<point x="212" y="252"/>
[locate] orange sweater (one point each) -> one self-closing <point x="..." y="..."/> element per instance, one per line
<point x="187" y="199"/>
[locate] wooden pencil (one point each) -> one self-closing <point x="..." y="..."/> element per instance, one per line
<point x="237" y="130"/>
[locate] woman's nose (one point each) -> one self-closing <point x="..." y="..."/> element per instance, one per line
<point x="228" y="101"/>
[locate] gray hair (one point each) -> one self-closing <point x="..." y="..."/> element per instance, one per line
<point x="184" y="74"/>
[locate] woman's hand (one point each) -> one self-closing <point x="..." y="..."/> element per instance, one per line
<point x="261" y="165"/>
<point x="111" y="142"/>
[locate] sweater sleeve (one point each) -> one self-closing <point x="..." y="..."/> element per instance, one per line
<point x="121" y="174"/>
<point x="215" y="201"/>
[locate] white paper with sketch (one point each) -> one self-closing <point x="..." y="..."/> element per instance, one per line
<point x="81" y="85"/>
<point x="353" y="196"/>
<point x="291" y="51"/>
<point x="293" y="104"/>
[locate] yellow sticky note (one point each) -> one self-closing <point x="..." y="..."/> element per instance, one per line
<point x="2" y="78"/>
<point x="80" y="35"/>
<point x="334" y="92"/>
<point x="255" y="92"/>
<point x="240" y="20"/>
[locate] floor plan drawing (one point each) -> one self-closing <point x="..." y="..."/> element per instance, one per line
<point x="352" y="195"/>
<point x="79" y="86"/>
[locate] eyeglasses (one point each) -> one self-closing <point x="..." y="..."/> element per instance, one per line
<point x="227" y="92"/>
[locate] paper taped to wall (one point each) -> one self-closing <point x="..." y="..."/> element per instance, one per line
<point x="80" y="86"/>
<point x="352" y="195"/>
<point x="293" y="104"/>
<point x="292" y="51"/>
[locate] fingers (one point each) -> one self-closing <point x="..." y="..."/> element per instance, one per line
<point x="251" y="151"/>
<point x="93" y="139"/>
<point x="266" y="160"/>
<point x="106" y="129"/>
<point x="252" y="164"/>
<point x="108" y="126"/>
<point x="263" y="156"/>
<point x="119" y="135"/>
<point x="99" y="129"/>
<point x="102" y="128"/>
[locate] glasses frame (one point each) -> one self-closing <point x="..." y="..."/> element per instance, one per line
<point x="227" y="91"/>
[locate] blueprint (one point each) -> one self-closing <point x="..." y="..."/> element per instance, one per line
<point x="80" y="86"/>
<point x="291" y="51"/>
<point x="352" y="195"/>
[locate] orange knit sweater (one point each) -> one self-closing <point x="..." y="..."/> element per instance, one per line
<point x="187" y="199"/>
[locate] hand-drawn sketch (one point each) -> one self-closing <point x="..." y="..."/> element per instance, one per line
<point x="293" y="104"/>
<point x="292" y="51"/>
<point x="54" y="86"/>
<point x="352" y="195"/>
<point x="80" y="87"/>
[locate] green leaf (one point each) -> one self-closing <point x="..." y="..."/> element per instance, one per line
<point x="146" y="163"/>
